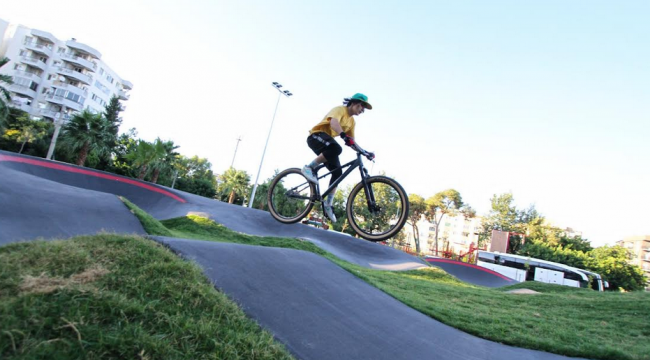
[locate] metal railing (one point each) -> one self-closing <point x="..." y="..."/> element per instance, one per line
<point x="38" y="45"/>
<point x="79" y="60"/>
<point x="81" y="91"/>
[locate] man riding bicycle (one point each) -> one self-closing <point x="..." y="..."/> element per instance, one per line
<point x="338" y="122"/>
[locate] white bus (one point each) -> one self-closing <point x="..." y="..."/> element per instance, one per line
<point x="523" y="268"/>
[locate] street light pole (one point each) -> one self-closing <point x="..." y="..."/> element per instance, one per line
<point x="58" y="123"/>
<point x="233" y="157"/>
<point x="286" y="93"/>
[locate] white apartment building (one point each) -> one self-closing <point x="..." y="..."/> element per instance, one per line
<point x="54" y="79"/>
<point x="457" y="231"/>
<point x="639" y="246"/>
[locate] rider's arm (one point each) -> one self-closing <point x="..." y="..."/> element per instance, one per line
<point x="336" y="125"/>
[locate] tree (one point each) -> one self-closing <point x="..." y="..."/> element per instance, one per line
<point x="5" y="95"/>
<point x="447" y="202"/>
<point x="167" y="159"/>
<point x="112" y="115"/>
<point x="22" y="130"/>
<point x="418" y="208"/>
<point x="84" y="133"/>
<point x="125" y="145"/>
<point x="194" y="175"/>
<point x="144" y="155"/>
<point x="234" y="183"/>
<point x="504" y="216"/>
<point x="611" y="262"/>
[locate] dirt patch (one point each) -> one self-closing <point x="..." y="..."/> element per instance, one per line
<point x="44" y="284"/>
<point x="524" y="291"/>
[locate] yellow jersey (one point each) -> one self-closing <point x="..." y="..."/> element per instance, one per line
<point x="341" y="113"/>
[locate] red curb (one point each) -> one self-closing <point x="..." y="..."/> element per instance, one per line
<point x="89" y="173"/>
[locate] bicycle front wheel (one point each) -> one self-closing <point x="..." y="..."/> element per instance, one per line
<point x="291" y="196"/>
<point x="382" y="218"/>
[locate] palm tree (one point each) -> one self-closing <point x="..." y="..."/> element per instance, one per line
<point x="145" y="155"/>
<point x="5" y="95"/>
<point x="86" y="132"/>
<point x="235" y="182"/>
<point x="167" y="161"/>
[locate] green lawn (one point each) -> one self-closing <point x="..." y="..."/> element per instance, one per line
<point x="110" y="296"/>
<point x="563" y="320"/>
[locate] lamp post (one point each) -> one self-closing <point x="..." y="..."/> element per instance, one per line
<point x="286" y="93"/>
<point x="58" y="123"/>
<point x="233" y="157"/>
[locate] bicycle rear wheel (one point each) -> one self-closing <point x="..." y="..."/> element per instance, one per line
<point x="291" y="196"/>
<point x="387" y="217"/>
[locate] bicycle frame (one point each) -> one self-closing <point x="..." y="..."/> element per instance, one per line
<point x="370" y="196"/>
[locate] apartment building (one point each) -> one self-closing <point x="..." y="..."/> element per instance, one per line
<point x="54" y="79"/>
<point x="639" y="246"/>
<point x="456" y="232"/>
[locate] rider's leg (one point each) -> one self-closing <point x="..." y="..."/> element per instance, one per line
<point x="326" y="148"/>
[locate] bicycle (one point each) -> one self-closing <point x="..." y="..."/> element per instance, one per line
<point x="376" y="213"/>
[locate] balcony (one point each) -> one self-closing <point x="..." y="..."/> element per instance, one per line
<point x="70" y="87"/>
<point x="22" y="89"/>
<point x="86" y="79"/>
<point x="39" y="47"/>
<point x="20" y="105"/>
<point x="123" y="95"/>
<point x="64" y="101"/>
<point x="34" y="61"/>
<point x="83" y="48"/>
<point x="28" y="75"/>
<point x="127" y="85"/>
<point x="79" y="61"/>
<point x="44" y="35"/>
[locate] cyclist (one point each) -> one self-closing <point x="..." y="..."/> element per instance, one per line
<point x="338" y="122"/>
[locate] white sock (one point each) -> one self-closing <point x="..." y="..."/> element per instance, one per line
<point x="330" y="199"/>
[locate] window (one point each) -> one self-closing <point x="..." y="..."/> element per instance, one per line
<point x="60" y="50"/>
<point x="101" y="71"/>
<point x="109" y="78"/>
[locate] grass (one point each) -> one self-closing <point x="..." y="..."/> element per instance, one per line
<point x="126" y="297"/>
<point x="118" y="297"/>
<point x="561" y="319"/>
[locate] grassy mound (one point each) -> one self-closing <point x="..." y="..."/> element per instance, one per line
<point x="118" y="297"/>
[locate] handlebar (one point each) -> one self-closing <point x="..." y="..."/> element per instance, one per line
<point x="369" y="155"/>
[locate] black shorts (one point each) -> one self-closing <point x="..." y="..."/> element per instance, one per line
<point x="322" y="143"/>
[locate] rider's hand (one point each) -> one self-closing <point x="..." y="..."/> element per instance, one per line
<point x="371" y="156"/>
<point x="349" y="141"/>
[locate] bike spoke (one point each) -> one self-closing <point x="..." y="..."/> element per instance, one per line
<point x="384" y="216"/>
<point x="291" y="196"/>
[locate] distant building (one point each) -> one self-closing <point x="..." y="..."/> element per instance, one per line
<point x="53" y="78"/>
<point x="639" y="246"/>
<point x="456" y="232"/>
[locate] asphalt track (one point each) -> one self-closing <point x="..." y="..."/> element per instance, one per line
<point x="472" y="273"/>
<point x="315" y="308"/>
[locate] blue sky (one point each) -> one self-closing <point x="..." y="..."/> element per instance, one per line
<point x="548" y="100"/>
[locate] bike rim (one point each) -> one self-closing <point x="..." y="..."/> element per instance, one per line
<point x="292" y="196"/>
<point x="383" y="221"/>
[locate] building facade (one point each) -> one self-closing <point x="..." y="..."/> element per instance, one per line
<point x="456" y="234"/>
<point x="639" y="246"/>
<point x="54" y="79"/>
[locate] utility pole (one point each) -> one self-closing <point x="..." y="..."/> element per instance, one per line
<point x="233" y="157"/>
